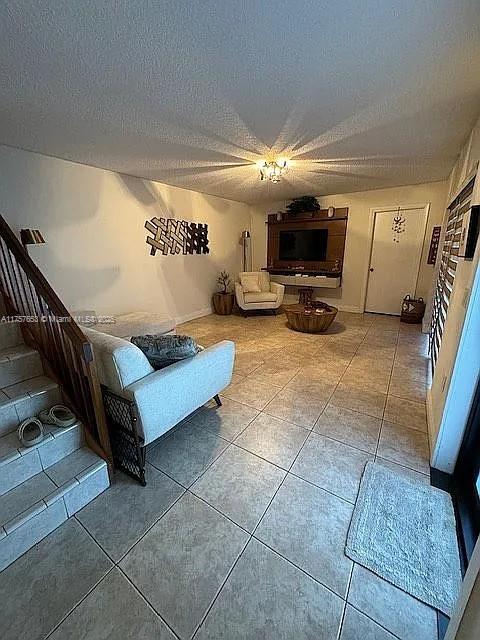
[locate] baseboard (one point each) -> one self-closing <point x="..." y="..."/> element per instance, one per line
<point x="347" y="308"/>
<point x="206" y="311"/>
<point x="441" y="480"/>
<point x="199" y="313"/>
<point x="430" y="422"/>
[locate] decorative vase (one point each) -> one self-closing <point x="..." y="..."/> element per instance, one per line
<point x="223" y="303"/>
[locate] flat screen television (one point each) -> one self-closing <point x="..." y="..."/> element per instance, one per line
<point x="305" y="244"/>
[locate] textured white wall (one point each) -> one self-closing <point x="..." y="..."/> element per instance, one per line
<point x="93" y="221"/>
<point x="357" y="247"/>
<point x="446" y="435"/>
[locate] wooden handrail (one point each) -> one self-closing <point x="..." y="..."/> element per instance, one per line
<point x="65" y="350"/>
<point x="42" y="285"/>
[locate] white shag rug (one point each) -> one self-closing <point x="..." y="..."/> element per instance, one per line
<point x="404" y="531"/>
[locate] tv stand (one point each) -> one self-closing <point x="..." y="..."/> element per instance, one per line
<point x="323" y="271"/>
<point x="323" y="280"/>
<point x="295" y="271"/>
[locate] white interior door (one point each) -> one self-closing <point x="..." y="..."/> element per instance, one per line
<point x="395" y="258"/>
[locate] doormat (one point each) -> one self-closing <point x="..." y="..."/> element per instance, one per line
<point x="404" y="531"/>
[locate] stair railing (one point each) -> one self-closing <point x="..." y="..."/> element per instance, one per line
<point x="48" y="327"/>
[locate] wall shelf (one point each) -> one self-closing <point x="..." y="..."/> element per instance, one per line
<point x="297" y="280"/>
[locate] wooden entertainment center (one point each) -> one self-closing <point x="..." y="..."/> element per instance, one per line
<point x="326" y="273"/>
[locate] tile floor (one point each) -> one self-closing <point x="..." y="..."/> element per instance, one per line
<point x="240" y="531"/>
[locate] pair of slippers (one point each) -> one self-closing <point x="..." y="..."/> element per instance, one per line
<point x="30" y="431"/>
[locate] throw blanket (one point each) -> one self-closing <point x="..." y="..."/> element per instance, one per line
<point x="162" y="351"/>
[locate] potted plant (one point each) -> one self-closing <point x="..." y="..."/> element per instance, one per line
<point x="304" y="205"/>
<point x="223" y="298"/>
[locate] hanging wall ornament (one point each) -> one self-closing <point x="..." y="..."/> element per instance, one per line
<point x="398" y="225"/>
<point x="176" y="236"/>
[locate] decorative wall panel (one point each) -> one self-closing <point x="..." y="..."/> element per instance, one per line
<point x="434" y="242"/>
<point x="337" y="233"/>
<point x="171" y="236"/>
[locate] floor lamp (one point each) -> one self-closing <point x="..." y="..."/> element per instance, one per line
<point x="246" y="251"/>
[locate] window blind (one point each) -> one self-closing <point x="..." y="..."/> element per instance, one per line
<point x="448" y="267"/>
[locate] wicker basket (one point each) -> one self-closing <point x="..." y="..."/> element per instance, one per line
<point x="413" y="310"/>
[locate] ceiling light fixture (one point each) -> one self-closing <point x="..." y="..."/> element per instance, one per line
<point x="272" y="169"/>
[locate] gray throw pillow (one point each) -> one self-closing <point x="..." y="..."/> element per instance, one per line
<point x="162" y="351"/>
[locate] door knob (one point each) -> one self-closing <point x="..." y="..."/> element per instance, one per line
<point x="371" y="269"/>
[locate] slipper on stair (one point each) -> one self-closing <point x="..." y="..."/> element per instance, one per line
<point x="58" y="415"/>
<point x="30" y="432"/>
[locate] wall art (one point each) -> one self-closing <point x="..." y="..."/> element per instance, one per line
<point x="171" y="236"/>
<point x="432" y="252"/>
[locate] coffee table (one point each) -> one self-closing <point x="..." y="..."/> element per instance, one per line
<point x="310" y="318"/>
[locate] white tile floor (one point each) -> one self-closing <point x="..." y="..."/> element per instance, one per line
<point x="241" y="529"/>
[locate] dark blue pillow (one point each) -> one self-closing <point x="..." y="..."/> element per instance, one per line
<point x="164" y="350"/>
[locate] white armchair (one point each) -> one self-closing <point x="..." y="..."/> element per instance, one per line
<point x="255" y="291"/>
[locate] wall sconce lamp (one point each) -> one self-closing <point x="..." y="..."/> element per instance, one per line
<point x="31" y="236"/>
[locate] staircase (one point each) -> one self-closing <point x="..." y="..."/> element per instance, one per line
<point x="40" y="486"/>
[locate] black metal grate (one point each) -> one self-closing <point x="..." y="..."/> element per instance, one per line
<point x="127" y="446"/>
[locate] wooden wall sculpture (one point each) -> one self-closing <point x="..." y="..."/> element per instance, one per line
<point x="176" y="236"/>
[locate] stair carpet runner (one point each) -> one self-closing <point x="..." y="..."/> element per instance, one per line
<point x="43" y="485"/>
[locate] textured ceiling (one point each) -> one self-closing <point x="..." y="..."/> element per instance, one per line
<point x="359" y="95"/>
